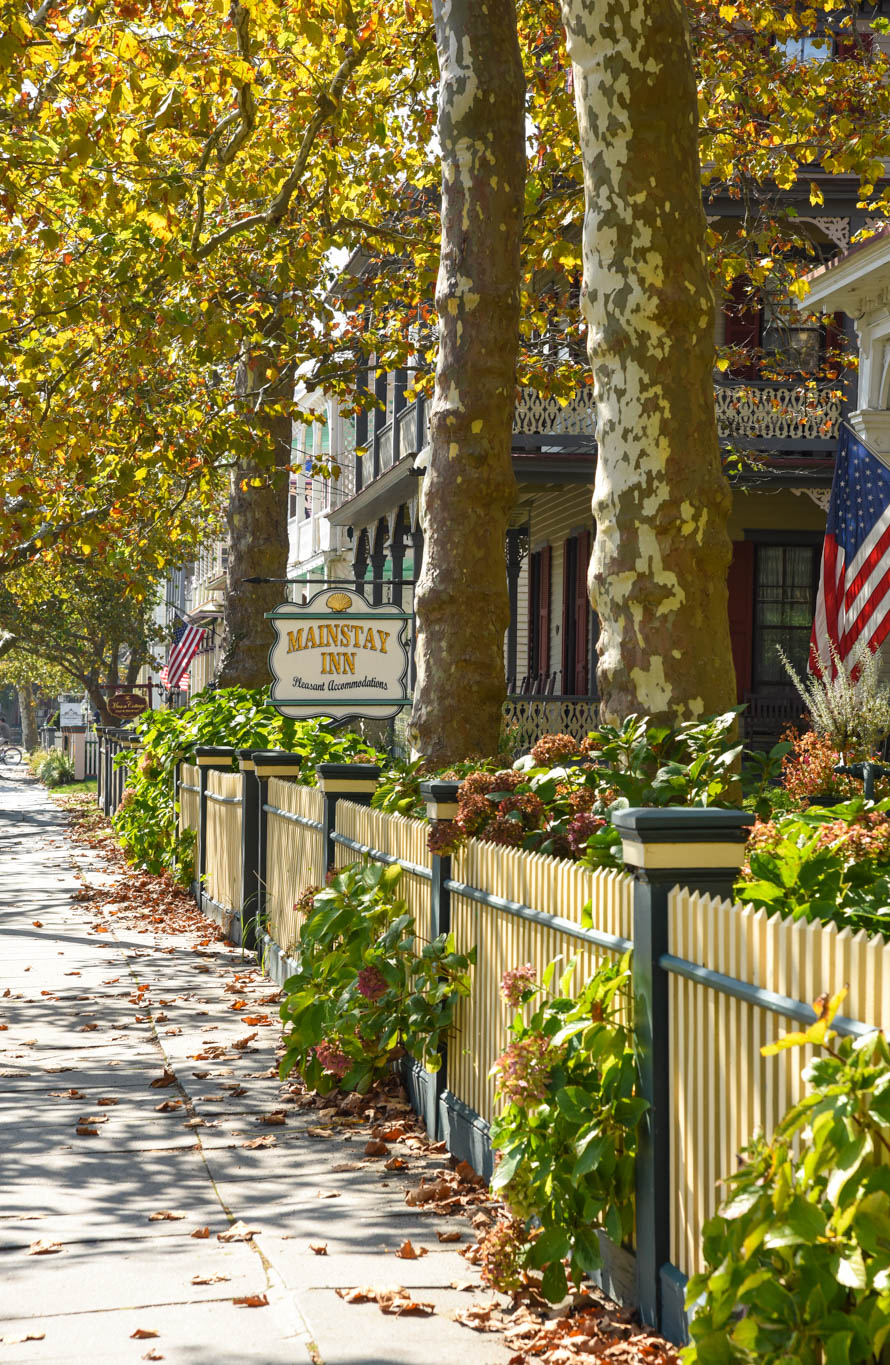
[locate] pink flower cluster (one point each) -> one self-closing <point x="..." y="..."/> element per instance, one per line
<point x="580" y="830"/>
<point x="524" y="1071"/>
<point x="371" y="983"/>
<point x="335" y="1062"/>
<point x="516" y="981"/>
<point x="305" y="902"/>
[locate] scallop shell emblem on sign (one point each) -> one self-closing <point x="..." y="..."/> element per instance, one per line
<point x="339" y="601"/>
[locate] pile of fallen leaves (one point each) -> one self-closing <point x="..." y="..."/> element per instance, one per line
<point x="590" y="1328"/>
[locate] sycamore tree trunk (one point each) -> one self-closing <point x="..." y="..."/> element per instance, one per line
<point x="461" y="600"/>
<point x="28" y="709"/>
<point x="256" y="521"/>
<point x="658" y="573"/>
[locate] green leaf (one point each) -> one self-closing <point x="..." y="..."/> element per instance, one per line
<point x="575" y="1103"/>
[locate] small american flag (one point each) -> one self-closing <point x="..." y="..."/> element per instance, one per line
<point x="853" y="602"/>
<point x="187" y="638"/>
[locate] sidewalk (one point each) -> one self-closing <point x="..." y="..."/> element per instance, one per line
<point x="95" y="1007"/>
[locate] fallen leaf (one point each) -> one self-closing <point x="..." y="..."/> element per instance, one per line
<point x="396" y="1302"/>
<point x="142" y="1334"/>
<point x="238" y="1232"/>
<point x="168" y="1106"/>
<point x="340" y="1166"/>
<point x="319" y="1248"/>
<point x="209" y="1279"/>
<point x="449" y="1236"/>
<point x="327" y="1194"/>
<point x="277" y="1117"/>
<point x="82" y="1131"/>
<point x="376" y="1148"/>
<point x="22" y="1336"/>
<point x="320" y="1132"/>
<point x="200" y="1232"/>
<point x="164" y="1216"/>
<point x="267" y="1140"/>
<point x="106" y="1100"/>
<point x="463" y="1285"/>
<point x="38" y="923"/>
<point x="160" y="1082"/>
<point x="409" y="1252"/>
<point x="88" y="1028"/>
<point x="395" y="1163"/>
<point x="251" y="1301"/>
<point x="428" y="1194"/>
<point x="44" y="1248"/>
<point x="242" y="1043"/>
<point x="152" y="1355"/>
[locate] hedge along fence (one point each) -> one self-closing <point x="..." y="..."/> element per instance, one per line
<point x="722" y="1088"/>
<point x="712" y="981"/>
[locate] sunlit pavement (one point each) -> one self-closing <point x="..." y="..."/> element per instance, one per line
<point x="88" y="1019"/>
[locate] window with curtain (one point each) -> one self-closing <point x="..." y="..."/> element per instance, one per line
<point x="785" y="584"/>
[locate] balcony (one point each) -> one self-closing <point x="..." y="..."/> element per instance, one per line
<point x="762" y="415"/>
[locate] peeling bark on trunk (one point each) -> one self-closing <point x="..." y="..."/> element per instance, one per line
<point x="28" y="709"/>
<point x="461" y="600"/>
<point x="658" y="572"/>
<point x="256" y="519"/>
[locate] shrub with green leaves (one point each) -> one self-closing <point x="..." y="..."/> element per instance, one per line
<point x="367" y="991"/>
<point x="825" y="864"/>
<point x="55" y="769"/>
<point x="798" y="1257"/>
<point x="566" y="1139"/>
<point x="237" y="717"/>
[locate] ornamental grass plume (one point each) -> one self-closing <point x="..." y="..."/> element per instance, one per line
<point x="851" y="709"/>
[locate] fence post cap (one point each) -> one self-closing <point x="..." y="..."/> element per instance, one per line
<point x="683" y="838"/>
<point x="441" y="798"/>
<point x="213" y="756"/>
<point x="347" y="779"/>
<point x="273" y="762"/>
<point x="245" y="760"/>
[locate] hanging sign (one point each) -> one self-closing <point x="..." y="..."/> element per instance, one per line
<point x="339" y="656"/>
<point x="126" y="705"/>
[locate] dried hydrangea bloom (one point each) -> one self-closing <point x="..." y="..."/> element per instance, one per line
<point x="524" y="1071"/>
<point x="371" y="983"/>
<point x="332" y="1060"/>
<point x="516" y="981"/>
<point x="553" y="749"/>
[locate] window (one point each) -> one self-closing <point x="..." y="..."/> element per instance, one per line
<point x="785" y="584"/>
<point x="798" y="346"/>
<point x="807" y="47"/>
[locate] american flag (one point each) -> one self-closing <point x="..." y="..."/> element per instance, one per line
<point x="853" y="603"/>
<point x="187" y="638"/>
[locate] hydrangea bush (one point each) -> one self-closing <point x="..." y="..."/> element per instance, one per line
<point x="367" y="990"/>
<point x="565" y="1141"/>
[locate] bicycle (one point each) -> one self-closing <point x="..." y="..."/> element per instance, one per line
<point x="10" y="753"/>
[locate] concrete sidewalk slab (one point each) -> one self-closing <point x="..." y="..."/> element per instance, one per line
<point x="71" y="1025"/>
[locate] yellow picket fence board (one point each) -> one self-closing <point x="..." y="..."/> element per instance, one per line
<point x="550" y="885"/>
<point x="189" y="802"/>
<point x="223" y="862"/>
<point x="722" y="1089"/>
<point x="398" y="836"/>
<point x="295" y="856"/>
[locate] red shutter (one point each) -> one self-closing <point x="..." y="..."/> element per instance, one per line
<point x="834" y="333"/>
<point x="582" y="615"/>
<point x="740" y="583"/>
<point x="542" y="663"/>
<point x="860" y="46"/>
<point x="742" y="322"/>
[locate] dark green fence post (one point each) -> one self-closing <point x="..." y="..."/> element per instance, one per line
<point x="441" y="804"/>
<point x="266" y="763"/>
<point x="343" y="782"/>
<point x="700" y="848"/>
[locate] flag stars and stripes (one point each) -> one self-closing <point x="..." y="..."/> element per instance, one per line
<point x="187" y="637"/>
